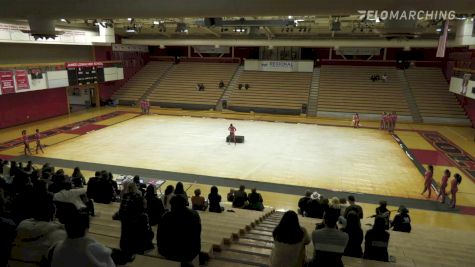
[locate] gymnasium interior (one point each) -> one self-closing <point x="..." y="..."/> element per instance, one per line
<point x="150" y="88"/>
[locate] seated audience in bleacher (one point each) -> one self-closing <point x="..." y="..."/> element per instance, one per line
<point x="376" y="241"/>
<point x="167" y="196"/>
<point x="353" y="207"/>
<point x="214" y="200"/>
<point x="246" y="86"/>
<point x="314" y="209"/>
<point x="34" y="238"/>
<point x="111" y="180"/>
<point x="355" y="234"/>
<point x="29" y="167"/>
<point x="304" y="203"/>
<point x="179" y="233"/>
<point x="140" y="186"/>
<point x="58" y="179"/>
<point x="329" y="242"/>
<point x="180" y="191"/>
<point x="7" y="228"/>
<point x="79" y="250"/>
<point x="402" y="220"/>
<point x="240" y="86"/>
<point x="290" y="240"/>
<point x="230" y="196"/>
<point x="136" y="235"/>
<point x="76" y="196"/>
<point x="382" y="211"/>
<point x="92" y="188"/>
<point x="42" y="198"/>
<point x="155" y="207"/>
<point x="197" y="201"/>
<point x="221" y="84"/>
<point x="106" y="192"/>
<point x="47" y="168"/>
<point x="240" y="197"/>
<point x="77" y="178"/>
<point x="255" y="201"/>
<point x="384" y="78"/>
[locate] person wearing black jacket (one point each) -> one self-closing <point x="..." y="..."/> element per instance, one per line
<point x="355" y="234"/>
<point x="179" y="233"/>
<point x="304" y="203"/>
<point x="376" y="241"/>
<point x="402" y="220"/>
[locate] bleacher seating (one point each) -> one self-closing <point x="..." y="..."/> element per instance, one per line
<point x="178" y="88"/>
<point x="348" y="89"/>
<point x="136" y="87"/>
<point x="218" y="229"/>
<point x="273" y="92"/>
<point x="432" y="95"/>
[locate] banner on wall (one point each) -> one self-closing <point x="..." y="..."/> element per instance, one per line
<point x="279" y="65"/>
<point x="285" y="66"/>
<point x="7" y="85"/>
<point x="463" y="86"/>
<point x="21" y="78"/>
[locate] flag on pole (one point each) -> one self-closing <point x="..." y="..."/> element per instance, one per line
<point x="443" y="40"/>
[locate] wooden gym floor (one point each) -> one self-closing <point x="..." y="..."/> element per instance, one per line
<point x="338" y="158"/>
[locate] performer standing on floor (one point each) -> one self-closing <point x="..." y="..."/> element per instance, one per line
<point x="428" y="180"/>
<point x="232" y="134"/>
<point x="25" y="142"/>
<point x="454" y="188"/>
<point x="38" y="142"/>
<point x="356" y="120"/>
<point x="443" y="186"/>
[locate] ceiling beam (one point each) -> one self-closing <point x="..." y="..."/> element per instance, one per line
<point x="269" y="33"/>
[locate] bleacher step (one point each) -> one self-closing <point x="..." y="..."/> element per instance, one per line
<point x="243" y="258"/>
<point x="255" y="243"/>
<point x="265" y="252"/>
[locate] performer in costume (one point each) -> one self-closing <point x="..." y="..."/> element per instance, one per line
<point x="382" y="124"/>
<point x="356" y="120"/>
<point x="25" y="142"/>
<point x="38" y="142"/>
<point x="443" y="186"/>
<point x="428" y="180"/>
<point x="454" y="188"/>
<point x="232" y="134"/>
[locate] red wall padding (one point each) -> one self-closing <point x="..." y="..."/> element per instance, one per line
<point x="20" y="108"/>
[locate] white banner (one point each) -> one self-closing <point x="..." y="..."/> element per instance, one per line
<point x="279" y="65"/>
<point x="463" y="86"/>
<point x="129" y="48"/>
<point x="209" y="49"/>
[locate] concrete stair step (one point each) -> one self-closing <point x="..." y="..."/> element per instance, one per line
<point x="243" y="258"/>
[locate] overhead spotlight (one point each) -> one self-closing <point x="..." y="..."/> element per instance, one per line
<point x="65" y="20"/>
<point x="290" y="17"/>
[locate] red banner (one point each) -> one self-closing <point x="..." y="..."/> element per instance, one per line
<point x="7" y="85"/>
<point x="84" y="64"/>
<point x="21" y="78"/>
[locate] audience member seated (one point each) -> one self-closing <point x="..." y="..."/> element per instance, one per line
<point x="106" y="192"/>
<point x="111" y="180"/>
<point x="29" y="167"/>
<point x="376" y="241"/>
<point x="240" y="86"/>
<point x="79" y="250"/>
<point x="7" y="229"/>
<point x="34" y="238"/>
<point x="353" y="207"/>
<point x="329" y="243"/>
<point x="240" y="198"/>
<point x="77" y="178"/>
<point x="383" y="212"/>
<point x="180" y="191"/>
<point x="179" y="233"/>
<point x="42" y="198"/>
<point x="246" y="86"/>
<point x="155" y="207"/>
<point x="92" y="187"/>
<point x="214" y="200"/>
<point x="304" y="203"/>
<point x="355" y="234"/>
<point x="221" y="84"/>
<point x="167" y="196"/>
<point x="255" y="201"/>
<point x="57" y="181"/>
<point x="315" y="209"/>
<point x="47" y="168"/>
<point x="136" y="235"/>
<point x="384" y="78"/>
<point x="76" y="196"/>
<point x="140" y="186"/>
<point x="402" y="220"/>
<point x="230" y="196"/>
<point x="290" y="240"/>
<point x="197" y="201"/>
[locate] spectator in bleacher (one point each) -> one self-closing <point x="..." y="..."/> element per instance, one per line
<point x="240" y="86"/>
<point x="355" y="234"/>
<point x="384" y="78"/>
<point x="179" y="233"/>
<point x="382" y="211"/>
<point x="255" y="201"/>
<point x="79" y="250"/>
<point x="140" y="185"/>
<point x="428" y="180"/>
<point x="402" y="220"/>
<point x="454" y="188"/>
<point x="42" y="198"/>
<point x="376" y="241"/>
<point x="6" y="171"/>
<point x="240" y="197"/>
<point x="111" y="180"/>
<point x="29" y="167"/>
<point x="353" y="207"/>
<point x="198" y="87"/>
<point x="34" y="238"/>
<point x="329" y="242"/>
<point x="246" y="86"/>
<point x="180" y="191"/>
<point x="443" y="185"/>
<point x="214" y="200"/>
<point x="314" y="209"/>
<point x="92" y="188"/>
<point x="106" y="192"/>
<point x="304" y="203"/>
<point x="221" y="84"/>
<point x="76" y="196"/>
<point x="7" y="228"/>
<point x="167" y="196"/>
<point x="58" y="179"/>
<point x="77" y="178"/>
<point x="136" y="235"/>
<point x="290" y="240"/>
<point x="155" y="207"/>
<point x="197" y="201"/>
<point x="47" y="168"/>
<point x="230" y="196"/>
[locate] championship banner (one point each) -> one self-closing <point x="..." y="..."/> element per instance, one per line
<point x="284" y="66"/>
<point x="7" y="85"/>
<point x="21" y="78"/>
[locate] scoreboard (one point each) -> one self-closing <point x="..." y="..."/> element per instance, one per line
<point x="83" y="73"/>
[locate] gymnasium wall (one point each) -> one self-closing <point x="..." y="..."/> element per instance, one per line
<point x="42" y="53"/>
<point x="20" y="108"/>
